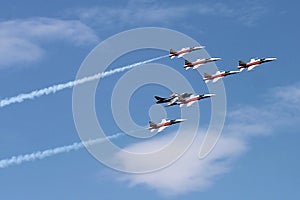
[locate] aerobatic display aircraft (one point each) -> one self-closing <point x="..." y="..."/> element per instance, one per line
<point x="172" y="99"/>
<point x="253" y="63"/>
<point x="220" y="74"/>
<point x="183" y="51"/>
<point x="198" y="62"/>
<point x="190" y="100"/>
<point x="163" y="124"/>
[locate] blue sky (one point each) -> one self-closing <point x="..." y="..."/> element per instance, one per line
<point x="43" y="44"/>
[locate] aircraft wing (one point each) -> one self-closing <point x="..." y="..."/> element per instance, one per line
<point x="216" y="79"/>
<point x="190" y="103"/>
<point x="182" y="54"/>
<point x="199" y="59"/>
<point x="196" y="66"/>
<point x="173" y="101"/>
<point x="251" y="67"/>
<point x="161" y="129"/>
<point x="152" y="130"/>
<point x="185" y="95"/>
<point x="163" y="121"/>
<point x="183" y="49"/>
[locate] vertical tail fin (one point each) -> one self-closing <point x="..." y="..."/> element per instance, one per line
<point x="160" y="99"/>
<point x="152" y="124"/>
<point x="206" y="75"/>
<point x="172" y="51"/>
<point x="242" y="63"/>
<point x="186" y="62"/>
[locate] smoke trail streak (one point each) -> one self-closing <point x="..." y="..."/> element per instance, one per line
<point x="55" y="88"/>
<point x="39" y="155"/>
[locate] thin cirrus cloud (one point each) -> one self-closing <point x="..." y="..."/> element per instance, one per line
<point x="21" y="39"/>
<point x="244" y="123"/>
<point x="139" y="13"/>
<point x="188" y="173"/>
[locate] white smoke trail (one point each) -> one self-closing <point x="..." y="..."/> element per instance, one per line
<point x="55" y="88"/>
<point x="39" y="155"/>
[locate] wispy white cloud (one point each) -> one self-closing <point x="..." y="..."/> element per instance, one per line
<point x="15" y="50"/>
<point x="250" y="14"/>
<point x="20" y="40"/>
<point x="137" y="13"/>
<point x="188" y="173"/>
<point x="288" y="96"/>
<point x="245" y="122"/>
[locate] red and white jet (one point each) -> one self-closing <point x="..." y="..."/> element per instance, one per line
<point x="198" y="62"/>
<point x="253" y="63"/>
<point x="183" y="51"/>
<point x="220" y="74"/>
<point x="191" y="100"/>
<point x="163" y="124"/>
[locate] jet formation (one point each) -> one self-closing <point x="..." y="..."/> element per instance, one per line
<point x="189" y="99"/>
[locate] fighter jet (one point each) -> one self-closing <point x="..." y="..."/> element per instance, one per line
<point x="220" y="74"/>
<point x="162" y="99"/>
<point x="172" y="99"/>
<point x="191" y="100"/>
<point x="198" y="62"/>
<point x="253" y="63"/>
<point x="163" y="124"/>
<point x="183" y="51"/>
